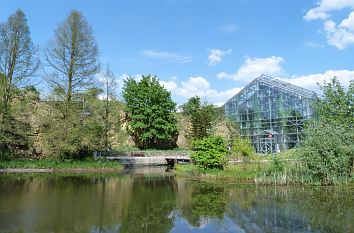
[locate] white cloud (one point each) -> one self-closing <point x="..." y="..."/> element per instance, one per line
<point x="325" y="6"/>
<point x="340" y="36"/>
<point x="215" y="56"/>
<point x="136" y="77"/>
<point x="311" y="81"/>
<point x="316" y="13"/>
<point x="165" y="55"/>
<point x="196" y="84"/>
<point x="169" y="85"/>
<point x="253" y="67"/>
<point x="228" y="28"/>
<point x="348" y="23"/>
<point x="199" y="86"/>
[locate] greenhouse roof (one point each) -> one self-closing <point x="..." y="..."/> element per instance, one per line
<point x="273" y="82"/>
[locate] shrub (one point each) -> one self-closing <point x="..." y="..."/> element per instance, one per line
<point x="277" y="166"/>
<point x="242" y="147"/>
<point x="327" y="153"/>
<point x="209" y="153"/>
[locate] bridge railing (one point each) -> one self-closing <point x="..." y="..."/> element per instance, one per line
<point x="175" y="154"/>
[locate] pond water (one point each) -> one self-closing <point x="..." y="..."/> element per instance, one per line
<point x="153" y="202"/>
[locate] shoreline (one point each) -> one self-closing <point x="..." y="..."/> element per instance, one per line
<point x="60" y="170"/>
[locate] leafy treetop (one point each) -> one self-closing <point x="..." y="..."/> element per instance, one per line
<point x="149" y="113"/>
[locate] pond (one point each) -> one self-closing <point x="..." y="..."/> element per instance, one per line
<point x="153" y="202"/>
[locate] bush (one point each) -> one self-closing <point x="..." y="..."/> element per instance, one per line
<point x="327" y="153"/>
<point x="6" y="155"/>
<point x="209" y="153"/>
<point x="242" y="148"/>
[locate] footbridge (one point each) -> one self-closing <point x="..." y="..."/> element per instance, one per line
<point x="154" y="158"/>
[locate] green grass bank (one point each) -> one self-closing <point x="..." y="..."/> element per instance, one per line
<point x="242" y="172"/>
<point x="58" y="165"/>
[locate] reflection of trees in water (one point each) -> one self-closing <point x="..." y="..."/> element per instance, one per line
<point x="150" y="206"/>
<point x="87" y="204"/>
<point x="294" y="209"/>
<point x="63" y="204"/>
<point x="143" y="204"/>
<point x="207" y="201"/>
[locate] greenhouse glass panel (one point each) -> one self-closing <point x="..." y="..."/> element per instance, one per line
<point x="271" y="113"/>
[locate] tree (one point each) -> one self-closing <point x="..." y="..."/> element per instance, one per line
<point x="72" y="130"/>
<point x="207" y="201"/>
<point x="109" y="85"/>
<point x="72" y="55"/>
<point x="18" y="55"/>
<point x="201" y="116"/>
<point x="18" y="62"/>
<point x="192" y="105"/>
<point x="149" y="110"/>
<point x="337" y="106"/>
<point x="327" y="153"/>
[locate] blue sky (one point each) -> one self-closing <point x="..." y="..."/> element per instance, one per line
<point x="210" y="48"/>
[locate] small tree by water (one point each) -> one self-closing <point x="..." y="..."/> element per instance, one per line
<point x="209" y="153"/>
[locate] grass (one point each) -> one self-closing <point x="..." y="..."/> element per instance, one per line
<point x="47" y="163"/>
<point x="244" y="171"/>
<point x="238" y="172"/>
<point x="286" y="154"/>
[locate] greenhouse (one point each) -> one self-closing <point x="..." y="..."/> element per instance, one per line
<point x="271" y="113"/>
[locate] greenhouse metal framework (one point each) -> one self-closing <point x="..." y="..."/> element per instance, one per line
<point x="271" y="113"/>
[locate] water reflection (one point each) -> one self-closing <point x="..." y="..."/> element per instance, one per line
<point x="206" y="201"/>
<point x="150" y="202"/>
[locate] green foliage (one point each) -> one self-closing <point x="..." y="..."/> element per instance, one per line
<point x="149" y="206"/>
<point x="209" y="153"/>
<point x="72" y="130"/>
<point x="201" y="116"/>
<point x="327" y="153"/>
<point x="13" y="136"/>
<point x="69" y="129"/>
<point x="240" y="171"/>
<point x="149" y="111"/>
<point x="18" y="62"/>
<point x="336" y="106"/>
<point x="277" y="165"/>
<point x="242" y="148"/>
<point x="15" y="127"/>
<point x="64" y="133"/>
<point x="233" y="129"/>
<point x="207" y="201"/>
<point x="191" y="106"/>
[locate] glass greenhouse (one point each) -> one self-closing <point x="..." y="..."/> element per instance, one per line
<point x="271" y="113"/>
